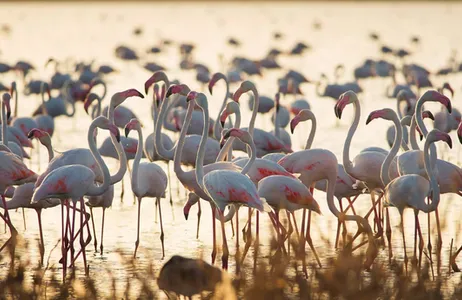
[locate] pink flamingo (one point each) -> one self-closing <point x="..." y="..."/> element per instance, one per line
<point x="443" y="120"/>
<point x="217" y="128"/>
<point x="227" y="186"/>
<point x="319" y="164"/>
<point x="148" y="180"/>
<point x="25" y="124"/>
<point x="44" y="121"/>
<point x="415" y="187"/>
<point x="344" y="184"/>
<point x="22" y="195"/>
<point x="188" y="179"/>
<point x="264" y="141"/>
<point x="75" y="181"/>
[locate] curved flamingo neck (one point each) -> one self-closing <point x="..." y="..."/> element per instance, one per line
<point x="51" y="154"/>
<point x="412" y="134"/>
<point x="227" y="148"/>
<point x="136" y="161"/>
<point x="384" y="176"/>
<point x="15" y="101"/>
<point x="433" y="182"/>
<point x="159" y="146"/>
<point x="181" y="140"/>
<point x="217" y="126"/>
<point x="201" y="151"/>
<point x="96" y="190"/>
<point x="346" y="147"/>
<point x="310" y="140"/>
<point x="423" y="129"/>
<point x="256" y="103"/>
<point x="252" y="156"/>
<point x="120" y="151"/>
<point x="4" y="125"/>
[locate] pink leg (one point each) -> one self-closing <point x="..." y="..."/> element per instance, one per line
<point x="102" y="231"/>
<point x="82" y="241"/>
<point x="199" y="213"/>
<point x="214" y="233"/>
<point x="224" y="258"/>
<point x="42" y="243"/>
<point x="63" y="241"/>
<point x="138" y="228"/>
<point x="238" y="252"/>
<point x="161" y="229"/>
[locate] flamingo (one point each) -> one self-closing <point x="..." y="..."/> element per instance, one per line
<point x="367" y="164"/>
<point x="344" y="183"/>
<point x="402" y="96"/>
<point x="75" y="181"/>
<point x="188" y="179"/>
<point x="443" y="120"/>
<point x="23" y="194"/>
<point x="319" y="164"/>
<point x="225" y="186"/>
<point x="415" y="187"/>
<point x="215" y="78"/>
<point x="148" y="180"/>
<point x="279" y="131"/>
<point x="25" y="124"/>
<point x="264" y="141"/>
<point x="6" y="145"/>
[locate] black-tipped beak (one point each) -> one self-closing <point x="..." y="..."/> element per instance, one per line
<point x="8" y="114"/>
<point x="369" y="119"/>
<point x="421" y="136"/>
<point x="449" y="107"/>
<point x="169" y="92"/>
<point x="222" y="124"/>
<point x="127" y="131"/>
<point x="430" y="115"/>
<point x="460" y="138"/>
<point x="186" y="216"/>
<point x="449" y="142"/>
<point x="118" y="136"/>
<point x="335" y="110"/>
<point x="30" y="135"/>
<point x="210" y="89"/>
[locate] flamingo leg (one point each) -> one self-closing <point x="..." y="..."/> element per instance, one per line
<point x="63" y="241"/>
<point x="302" y="243"/>
<point x="169" y="183"/>
<point x="87" y="220"/>
<point x="257" y="225"/>
<point x="102" y="231"/>
<point x="289" y="232"/>
<point x="161" y="229"/>
<point x="130" y="178"/>
<point x="350" y="204"/>
<point x="421" y="242"/>
<point x="224" y="258"/>
<point x="337" y="235"/>
<point x="82" y="241"/>
<point x="72" y="231"/>
<point x="439" y="244"/>
<point x="42" y="244"/>
<point x="404" y="242"/>
<point x="214" y="233"/>
<point x="238" y="253"/>
<point x="199" y="213"/>
<point x="429" y="244"/>
<point x="310" y="241"/>
<point x="414" y="260"/>
<point x="156" y="214"/>
<point x="138" y="228"/>
<point x="388" y="234"/>
<point x="122" y="192"/>
<point x="344" y="231"/>
<point x="93" y="226"/>
<point x="247" y="235"/>
<point x="24" y="218"/>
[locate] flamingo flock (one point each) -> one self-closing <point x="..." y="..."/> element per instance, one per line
<point x="271" y="177"/>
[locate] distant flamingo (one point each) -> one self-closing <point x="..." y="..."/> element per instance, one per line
<point x="75" y="181"/>
<point x="44" y="121"/>
<point x="443" y="120"/>
<point x="215" y="78"/>
<point x="148" y="180"/>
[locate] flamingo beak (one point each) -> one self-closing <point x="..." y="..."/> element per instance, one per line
<point x="294" y="123"/>
<point x="370" y="118"/>
<point x="31" y="133"/>
<point x="148" y="84"/>
<point x="210" y="86"/>
<point x="127" y="131"/>
<point x="115" y="131"/>
<point x="224" y="116"/>
<point x="428" y="114"/>
<point x="445" y="137"/>
<point x="86" y="104"/>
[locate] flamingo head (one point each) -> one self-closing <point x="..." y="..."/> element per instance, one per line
<point x="231" y="108"/>
<point x="425" y="114"/>
<point x="181" y="89"/>
<point x="6" y="100"/>
<point x="192" y="199"/>
<point x="89" y="100"/>
<point x="303" y="115"/>
<point x="346" y="98"/>
<point x="120" y="97"/>
<point x="134" y="124"/>
<point x="386" y="113"/>
<point x="157" y="95"/>
<point x="156" y="77"/>
<point x="432" y="95"/>
<point x="436" y="135"/>
<point x="41" y="135"/>
<point x="244" y="88"/>
<point x="448" y="87"/>
<point x="244" y="136"/>
<point x="215" y="78"/>
<point x="104" y="123"/>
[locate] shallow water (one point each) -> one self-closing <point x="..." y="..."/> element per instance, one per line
<point x="92" y="31"/>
